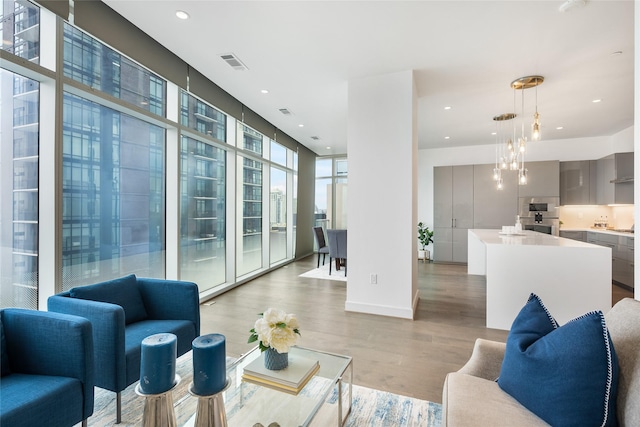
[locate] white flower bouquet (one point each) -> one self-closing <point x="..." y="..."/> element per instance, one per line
<point x="275" y="329"/>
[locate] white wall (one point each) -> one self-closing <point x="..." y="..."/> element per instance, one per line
<point x="559" y="149"/>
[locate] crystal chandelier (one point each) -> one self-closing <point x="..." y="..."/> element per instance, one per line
<point x="526" y="83"/>
<point x="506" y="155"/>
<point x="510" y="150"/>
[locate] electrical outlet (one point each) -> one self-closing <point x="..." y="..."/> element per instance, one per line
<point x="373" y="279"/>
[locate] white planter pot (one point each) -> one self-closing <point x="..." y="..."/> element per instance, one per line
<point x="423" y="255"/>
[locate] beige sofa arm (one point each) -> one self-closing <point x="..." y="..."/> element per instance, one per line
<point x="486" y="360"/>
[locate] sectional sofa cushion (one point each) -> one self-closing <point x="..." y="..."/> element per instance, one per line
<point x="565" y="375"/>
<point x="122" y="291"/>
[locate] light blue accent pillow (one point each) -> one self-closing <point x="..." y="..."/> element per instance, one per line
<point x="567" y="375"/>
<point x="122" y="291"/>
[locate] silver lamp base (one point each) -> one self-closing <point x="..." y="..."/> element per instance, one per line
<point x="158" y="408"/>
<point x="211" y="412"/>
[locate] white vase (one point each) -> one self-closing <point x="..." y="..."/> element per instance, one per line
<point x="423" y="254"/>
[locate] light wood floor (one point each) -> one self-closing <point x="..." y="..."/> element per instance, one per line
<point x="408" y="357"/>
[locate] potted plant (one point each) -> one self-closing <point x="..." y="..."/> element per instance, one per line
<point x="275" y="332"/>
<point x="425" y="236"/>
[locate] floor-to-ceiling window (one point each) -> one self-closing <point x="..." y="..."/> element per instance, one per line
<point x="19" y="160"/>
<point x="323" y="196"/>
<point x="202" y="213"/>
<point x="136" y="171"/>
<point x="294" y="200"/>
<point x="278" y="215"/>
<point x="113" y="194"/>
<point x="278" y="204"/>
<point x="250" y="183"/>
<point x="202" y="195"/>
<point x="331" y="193"/>
<point x="113" y="168"/>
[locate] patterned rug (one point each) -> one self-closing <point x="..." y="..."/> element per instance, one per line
<point x="323" y="273"/>
<point x="370" y="408"/>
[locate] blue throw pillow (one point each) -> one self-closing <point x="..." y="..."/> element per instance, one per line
<point x="568" y="375"/>
<point x="123" y="292"/>
<point x="4" y="357"/>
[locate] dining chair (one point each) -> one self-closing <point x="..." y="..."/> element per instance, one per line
<point x="323" y="249"/>
<point x="337" y="247"/>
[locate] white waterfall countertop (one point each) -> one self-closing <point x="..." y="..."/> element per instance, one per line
<point x="571" y="277"/>
<point x="495" y="237"/>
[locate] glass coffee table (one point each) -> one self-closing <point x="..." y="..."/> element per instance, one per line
<point x="325" y="399"/>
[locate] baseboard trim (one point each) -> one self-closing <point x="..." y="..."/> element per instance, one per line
<point x="382" y="310"/>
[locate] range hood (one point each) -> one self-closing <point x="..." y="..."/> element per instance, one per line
<point x="622" y="180"/>
<point x="623" y="168"/>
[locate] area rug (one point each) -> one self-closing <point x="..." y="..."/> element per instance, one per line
<point x="370" y="408"/>
<point x="323" y="273"/>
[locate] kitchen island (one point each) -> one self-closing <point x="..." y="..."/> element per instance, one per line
<point x="571" y="277"/>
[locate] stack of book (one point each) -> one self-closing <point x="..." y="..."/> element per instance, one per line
<point x="291" y="379"/>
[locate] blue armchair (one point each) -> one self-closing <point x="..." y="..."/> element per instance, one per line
<point x="47" y="369"/>
<point x="123" y="312"/>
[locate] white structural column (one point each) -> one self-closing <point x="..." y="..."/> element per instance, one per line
<point x="382" y="206"/>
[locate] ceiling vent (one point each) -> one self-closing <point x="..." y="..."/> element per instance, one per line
<point x="285" y="111"/>
<point x="315" y="138"/>
<point x="234" y="62"/>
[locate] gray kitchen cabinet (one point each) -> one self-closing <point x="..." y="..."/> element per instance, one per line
<point x="622" y="253"/>
<point x="615" y="179"/>
<point x="631" y="261"/>
<point x="578" y="183"/>
<point x="622" y="264"/>
<point x="453" y="212"/>
<point x="574" y="235"/>
<point x="493" y="208"/>
<point x="543" y="179"/>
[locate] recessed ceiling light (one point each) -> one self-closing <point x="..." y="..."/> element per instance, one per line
<point x="559" y="128"/>
<point x="300" y="125"/>
<point x="446" y="137"/>
<point x="447" y="108"/>
<point x="494" y="133"/>
<point x="595" y="101"/>
<point x="181" y="14"/>
<point x="328" y="148"/>
<point x="264" y="91"/>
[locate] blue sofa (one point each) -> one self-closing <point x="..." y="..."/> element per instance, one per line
<point x="47" y="369"/>
<point x="123" y="312"/>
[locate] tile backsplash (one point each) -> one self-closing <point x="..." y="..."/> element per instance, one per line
<point x="585" y="216"/>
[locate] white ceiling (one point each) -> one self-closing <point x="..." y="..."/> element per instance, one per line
<point x="465" y="55"/>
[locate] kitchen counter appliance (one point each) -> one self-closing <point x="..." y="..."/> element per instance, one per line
<point x="540" y="214"/>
